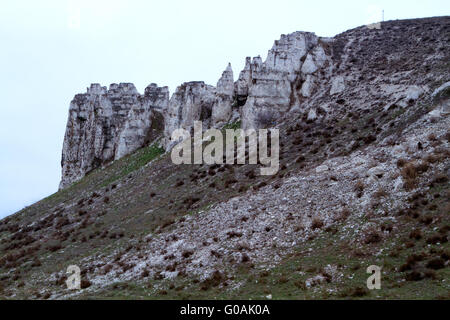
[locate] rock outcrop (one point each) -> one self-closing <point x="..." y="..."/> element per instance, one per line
<point x="145" y="121"/>
<point x="364" y="166"/>
<point x="272" y="86"/>
<point x="304" y="76"/>
<point x="222" y="108"/>
<point x="192" y="101"/>
<point x="105" y="125"/>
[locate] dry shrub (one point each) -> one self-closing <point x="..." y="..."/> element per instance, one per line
<point x="415" y="234"/>
<point x="61" y="222"/>
<point x="409" y="173"/>
<point x="344" y="214"/>
<point x="251" y="174"/>
<point x="380" y="193"/>
<point x="317" y="223"/>
<point x="36" y="263"/>
<point x="54" y="247"/>
<point x="213" y="281"/>
<point x="435" y="239"/>
<point x="436" y="264"/>
<point x="230" y="182"/>
<point x="82" y="212"/>
<point x="187" y="253"/>
<point x="234" y="234"/>
<point x="179" y="183"/>
<point x="431" y="158"/>
<point x="359" y="292"/>
<point x="401" y="163"/>
<point x="264" y="274"/>
<point x="372" y="236"/>
<point x="85" y="284"/>
<point x="189" y="201"/>
<point x="423" y="167"/>
<point x="283" y="279"/>
<point x="359" y="188"/>
<point x="245" y="258"/>
<point x="299" y="227"/>
<point x="440" y="178"/>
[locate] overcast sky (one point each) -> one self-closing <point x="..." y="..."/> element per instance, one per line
<point x="51" y="50"/>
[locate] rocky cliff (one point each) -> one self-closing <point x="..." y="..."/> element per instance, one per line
<point x="364" y="122"/>
<point x="106" y="124"/>
<point x="303" y="74"/>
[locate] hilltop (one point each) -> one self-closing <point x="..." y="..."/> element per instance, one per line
<point x="363" y="180"/>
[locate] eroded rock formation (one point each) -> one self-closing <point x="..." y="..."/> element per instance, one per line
<point x="273" y="86"/>
<point x="222" y="108"/>
<point x="304" y="76"/>
<point x="105" y="125"/>
<point x="192" y="101"/>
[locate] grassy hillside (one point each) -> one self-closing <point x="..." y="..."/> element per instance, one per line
<point x="366" y="183"/>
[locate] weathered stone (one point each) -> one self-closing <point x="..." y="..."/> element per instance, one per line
<point x="104" y="125"/>
<point x="337" y="85"/>
<point x="270" y="91"/>
<point x="144" y="121"/>
<point x="308" y="86"/>
<point x="222" y="108"/>
<point x="243" y="82"/>
<point x="312" y="115"/>
<point x="192" y="101"/>
<point x="322" y="168"/>
<point x="441" y="89"/>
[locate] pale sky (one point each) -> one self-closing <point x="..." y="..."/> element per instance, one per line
<point x="51" y="50"/>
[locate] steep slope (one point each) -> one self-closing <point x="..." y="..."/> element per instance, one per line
<point x="364" y="127"/>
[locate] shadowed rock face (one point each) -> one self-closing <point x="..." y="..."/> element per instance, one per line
<point x="192" y="101"/>
<point x="137" y="130"/>
<point x="105" y="125"/>
<point x="222" y="108"/>
<point x="281" y="83"/>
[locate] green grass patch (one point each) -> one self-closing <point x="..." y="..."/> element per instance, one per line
<point x="137" y="161"/>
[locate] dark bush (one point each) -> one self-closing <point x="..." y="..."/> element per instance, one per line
<point x="436" y="264"/>
<point x="372" y="237"/>
<point x="415" y="234"/>
<point x="187" y="253"/>
<point x="85" y="284"/>
<point x="179" y="183"/>
<point x="317" y="223"/>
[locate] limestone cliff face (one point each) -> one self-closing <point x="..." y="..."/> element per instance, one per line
<point x="192" y="101"/>
<point x="304" y="76"/>
<point x="273" y="86"/>
<point x="104" y="125"/>
<point x="145" y="120"/>
<point x="222" y="108"/>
